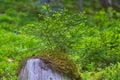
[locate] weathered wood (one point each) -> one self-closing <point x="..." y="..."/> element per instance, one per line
<point x="35" y="69"/>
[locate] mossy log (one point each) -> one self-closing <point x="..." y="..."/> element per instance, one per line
<point x="36" y="69"/>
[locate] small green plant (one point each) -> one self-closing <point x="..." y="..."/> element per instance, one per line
<point x="110" y="73"/>
<point x="60" y="30"/>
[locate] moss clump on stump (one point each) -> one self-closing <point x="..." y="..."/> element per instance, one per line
<point x="61" y="63"/>
<point x="58" y="62"/>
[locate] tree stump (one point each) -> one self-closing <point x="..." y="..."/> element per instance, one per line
<point x="35" y="69"/>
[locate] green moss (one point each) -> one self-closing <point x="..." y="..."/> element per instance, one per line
<point x="61" y="63"/>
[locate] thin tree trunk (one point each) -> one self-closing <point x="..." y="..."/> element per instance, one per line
<point x="106" y="3"/>
<point x="81" y="5"/>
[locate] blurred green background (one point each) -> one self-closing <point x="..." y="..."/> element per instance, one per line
<point x="86" y="30"/>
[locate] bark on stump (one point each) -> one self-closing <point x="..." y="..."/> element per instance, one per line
<point x="35" y="69"/>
